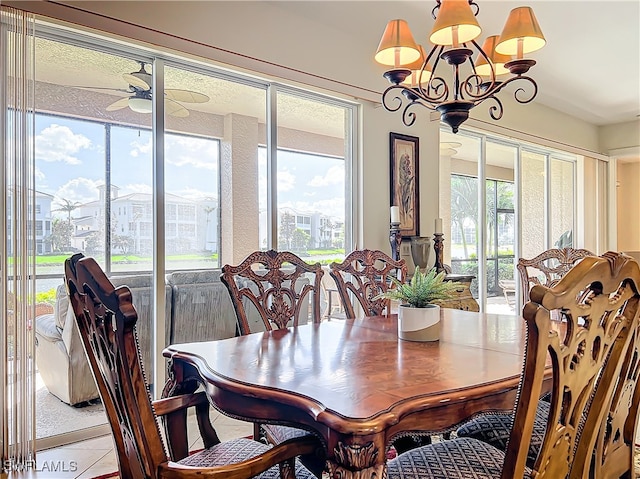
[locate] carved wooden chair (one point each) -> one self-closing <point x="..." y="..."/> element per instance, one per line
<point x="106" y="320"/>
<point x="594" y="354"/>
<point x="364" y="274"/>
<point x="547" y="268"/>
<point x="279" y="286"/>
<point x="275" y="290"/>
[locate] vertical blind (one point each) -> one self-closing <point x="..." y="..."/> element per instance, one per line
<point x="17" y="241"/>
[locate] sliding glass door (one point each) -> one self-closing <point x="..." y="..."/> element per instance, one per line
<point x="498" y="188"/>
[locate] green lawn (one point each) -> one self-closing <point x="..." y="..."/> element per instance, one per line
<point x="54" y="260"/>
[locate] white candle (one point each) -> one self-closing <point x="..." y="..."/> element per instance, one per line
<point x="438" y="228"/>
<point x="395" y="214"/>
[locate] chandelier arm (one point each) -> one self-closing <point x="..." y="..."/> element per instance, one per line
<point x="522" y="90"/>
<point x="498" y="86"/>
<point x="486" y="59"/>
<point x="495" y="111"/>
<point x="435" y="82"/>
<point x="409" y="116"/>
<point x="393" y="102"/>
<point x="472" y="84"/>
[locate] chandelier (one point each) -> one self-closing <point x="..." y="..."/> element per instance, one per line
<point x="417" y="78"/>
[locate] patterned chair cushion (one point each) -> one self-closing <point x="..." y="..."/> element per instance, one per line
<point x="277" y="434"/>
<point x="238" y="450"/>
<point x="495" y="428"/>
<point x="462" y="458"/>
<point x="280" y="434"/>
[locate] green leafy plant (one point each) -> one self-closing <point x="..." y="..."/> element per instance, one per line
<point x="422" y="290"/>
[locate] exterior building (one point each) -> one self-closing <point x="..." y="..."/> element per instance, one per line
<point x="42" y="223"/>
<point x="190" y="225"/>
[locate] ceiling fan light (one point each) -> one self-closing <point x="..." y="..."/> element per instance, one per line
<point x="521" y="33"/>
<point x="397" y="46"/>
<point x="140" y="105"/>
<point x="455" y="24"/>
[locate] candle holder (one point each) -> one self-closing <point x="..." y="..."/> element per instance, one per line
<point x="438" y="247"/>
<point x="395" y="239"/>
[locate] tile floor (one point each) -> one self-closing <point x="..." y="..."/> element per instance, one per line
<point x="96" y="457"/>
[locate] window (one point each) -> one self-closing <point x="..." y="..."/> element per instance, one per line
<point x="545" y="189"/>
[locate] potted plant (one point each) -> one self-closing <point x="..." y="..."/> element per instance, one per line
<point x="418" y="317"/>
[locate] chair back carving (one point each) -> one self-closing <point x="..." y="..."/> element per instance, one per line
<point x="595" y="360"/>
<point x="365" y="274"/>
<point x="547" y="268"/>
<point x="106" y="321"/>
<point x="280" y="286"/>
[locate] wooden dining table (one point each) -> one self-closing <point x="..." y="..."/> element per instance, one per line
<point x="354" y="384"/>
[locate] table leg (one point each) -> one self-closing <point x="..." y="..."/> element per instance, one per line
<point x="357" y="461"/>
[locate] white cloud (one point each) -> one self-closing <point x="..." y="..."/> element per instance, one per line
<point x="80" y="190"/>
<point x="286" y="181"/>
<point x="141" y="149"/>
<point x="333" y="207"/>
<point x="182" y="151"/>
<point x="194" y="194"/>
<point x="333" y="176"/>
<point x="135" y="188"/>
<point x="198" y="152"/>
<point x="59" y="143"/>
<point x="40" y="178"/>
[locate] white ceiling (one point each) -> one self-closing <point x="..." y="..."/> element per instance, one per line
<point x="590" y="67"/>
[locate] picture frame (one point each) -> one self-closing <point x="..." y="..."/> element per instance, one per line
<point x="404" y="155"/>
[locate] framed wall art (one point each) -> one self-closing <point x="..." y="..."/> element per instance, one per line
<point x="404" y="181"/>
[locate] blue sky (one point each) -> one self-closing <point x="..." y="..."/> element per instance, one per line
<point x="70" y="164"/>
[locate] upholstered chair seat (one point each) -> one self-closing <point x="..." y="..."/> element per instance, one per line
<point x="461" y="458"/>
<point x="237" y="450"/>
<point x="279" y="433"/>
<point x="495" y="428"/>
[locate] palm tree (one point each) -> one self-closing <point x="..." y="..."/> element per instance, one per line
<point x="464" y="204"/>
<point x="68" y="206"/>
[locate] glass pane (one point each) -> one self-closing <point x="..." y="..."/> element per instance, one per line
<point x="87" y="163"/>
<point x="464" y="214"/>
<point x="311" y="178"/>
<point x="131" y="199"/>
<point x="562" y="197"/>
<point x="533" y="204"/>
<point x="194" y="127"/>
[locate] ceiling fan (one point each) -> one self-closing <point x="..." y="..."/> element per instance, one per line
<point x="141" y="94"/>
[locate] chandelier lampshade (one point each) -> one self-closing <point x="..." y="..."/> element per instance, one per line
<point x="483" y="68"/>
<point x="397" y="46"/>
<point x="418" y="74"/>
<point x="454" y="24"/>
<point x="417" y="78"/>
<point x="521" y="34"/>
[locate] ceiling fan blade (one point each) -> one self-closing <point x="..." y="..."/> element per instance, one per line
<point x="84" y="87"/>
<point x="118" y="105"/>
<point x="175" y="109"/>
<point x="186" y="96"/>
<point x="135" y="81"/>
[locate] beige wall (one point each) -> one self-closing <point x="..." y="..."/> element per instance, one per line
<point x="628" y="196"/>
<point x="620" y="136"/>
<point x="277" y="41"/>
